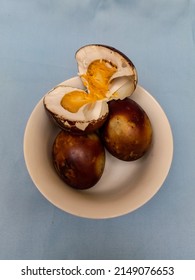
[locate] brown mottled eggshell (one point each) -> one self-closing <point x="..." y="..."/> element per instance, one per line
<point x="127" y="132"/>
<point x="79" y="159"/>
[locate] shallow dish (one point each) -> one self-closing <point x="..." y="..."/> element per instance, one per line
<point x="123" y="187"/>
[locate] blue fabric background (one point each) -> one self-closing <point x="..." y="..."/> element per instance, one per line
<point x="38" y="40"/>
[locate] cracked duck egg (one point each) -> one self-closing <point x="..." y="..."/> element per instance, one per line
<point x="105" y="74"/>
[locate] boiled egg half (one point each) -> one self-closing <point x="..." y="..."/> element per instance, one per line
<point x="104" y="74"/>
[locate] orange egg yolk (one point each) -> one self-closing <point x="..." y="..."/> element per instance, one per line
<point x="96" y="80"/>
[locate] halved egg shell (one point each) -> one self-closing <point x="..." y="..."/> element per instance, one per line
<point x="104" y="74"/>
<point x="107" y="71"/>
<point x="87" y="119"/>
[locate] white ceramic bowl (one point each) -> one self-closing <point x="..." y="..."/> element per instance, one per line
<point x="123" y="187"/>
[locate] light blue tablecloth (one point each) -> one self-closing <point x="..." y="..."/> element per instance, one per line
<point x="38" y="40"/>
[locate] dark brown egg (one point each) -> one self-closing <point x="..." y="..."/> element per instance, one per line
<point x="127" y="132"/>
<point x="79" y="159"/>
